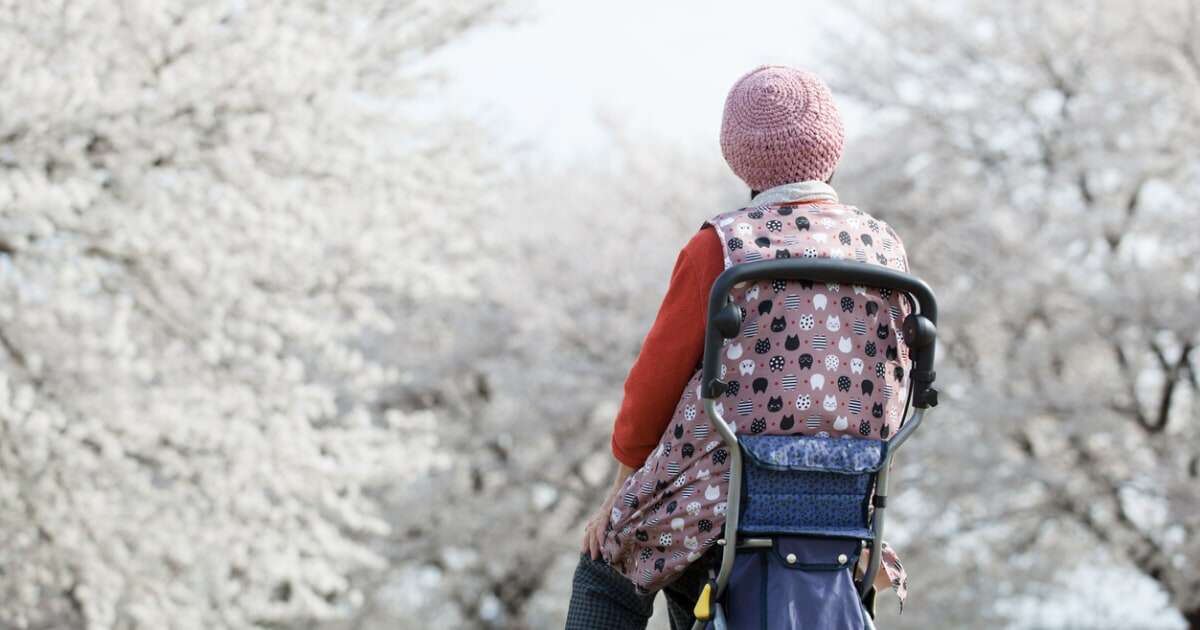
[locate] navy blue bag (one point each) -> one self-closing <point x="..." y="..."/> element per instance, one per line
<point x="813" y="591"/>
<point x="806" y="499"/>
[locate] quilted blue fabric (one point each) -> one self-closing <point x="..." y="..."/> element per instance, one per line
<point x="809" y="485"/>
<point x="806" y="452"/>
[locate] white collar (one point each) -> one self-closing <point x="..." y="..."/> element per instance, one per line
<point x="811" y="190"/>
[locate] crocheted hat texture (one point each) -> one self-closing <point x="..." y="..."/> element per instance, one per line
<point x="781" y="126"/>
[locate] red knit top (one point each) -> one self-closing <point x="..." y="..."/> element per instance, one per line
<point x="671" y="352"/>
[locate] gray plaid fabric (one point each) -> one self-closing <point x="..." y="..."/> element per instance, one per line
<point x="602" y="599"/>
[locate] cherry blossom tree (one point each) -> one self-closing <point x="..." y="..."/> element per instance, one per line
<point x="207" y="212"/>
<point x="278" y="351"/>
<point x="1039" y="161"/>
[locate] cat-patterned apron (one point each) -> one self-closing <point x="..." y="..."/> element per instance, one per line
<point x="823" y="359"/>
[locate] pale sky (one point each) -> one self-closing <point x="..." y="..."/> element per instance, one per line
<point x="662" y="66"/>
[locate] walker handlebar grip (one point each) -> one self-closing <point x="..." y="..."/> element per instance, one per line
<point x="816" y="270"/>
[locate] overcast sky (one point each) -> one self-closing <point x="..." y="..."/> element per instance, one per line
<point x="663" y="65"/>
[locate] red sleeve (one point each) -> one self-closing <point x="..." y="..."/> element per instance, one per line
<point x="669" y="355"/>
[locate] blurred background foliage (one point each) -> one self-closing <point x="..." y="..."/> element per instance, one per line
<point x="292" y="339"/>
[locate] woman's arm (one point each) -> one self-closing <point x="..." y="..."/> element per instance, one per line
<point x="671" y="352"/>
<point x="668" y="359"/>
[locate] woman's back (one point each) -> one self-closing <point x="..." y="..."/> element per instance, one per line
<point x="822" y="360"/>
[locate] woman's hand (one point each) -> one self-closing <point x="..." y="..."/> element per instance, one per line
<point x="593" y="532"/>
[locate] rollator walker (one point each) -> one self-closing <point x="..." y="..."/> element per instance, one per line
<point x="795" y="568"/>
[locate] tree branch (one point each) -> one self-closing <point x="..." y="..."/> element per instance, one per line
<point x="1171" y="375"/>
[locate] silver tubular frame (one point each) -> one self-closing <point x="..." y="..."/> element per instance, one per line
<point x="723" y="316"/>
<point x="881" y="490"/>
<point x="733" y="503"/>
<point x="733" y="496"/>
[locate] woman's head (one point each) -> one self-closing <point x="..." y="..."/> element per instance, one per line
<point x="781" y="126"/>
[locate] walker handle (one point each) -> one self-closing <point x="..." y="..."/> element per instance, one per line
<point x="819" y="270"/>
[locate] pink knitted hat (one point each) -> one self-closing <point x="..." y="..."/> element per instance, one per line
<point x="781" y="126"/>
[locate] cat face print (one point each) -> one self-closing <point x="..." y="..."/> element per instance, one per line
<point x="832" y="362"/>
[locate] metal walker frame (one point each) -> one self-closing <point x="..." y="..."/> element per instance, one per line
<point x="724" y="322"/>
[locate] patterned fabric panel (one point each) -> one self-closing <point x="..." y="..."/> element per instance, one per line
<point x="801" y="452"/>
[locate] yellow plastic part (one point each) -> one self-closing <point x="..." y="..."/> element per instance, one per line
<point x="703" y="610"/>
